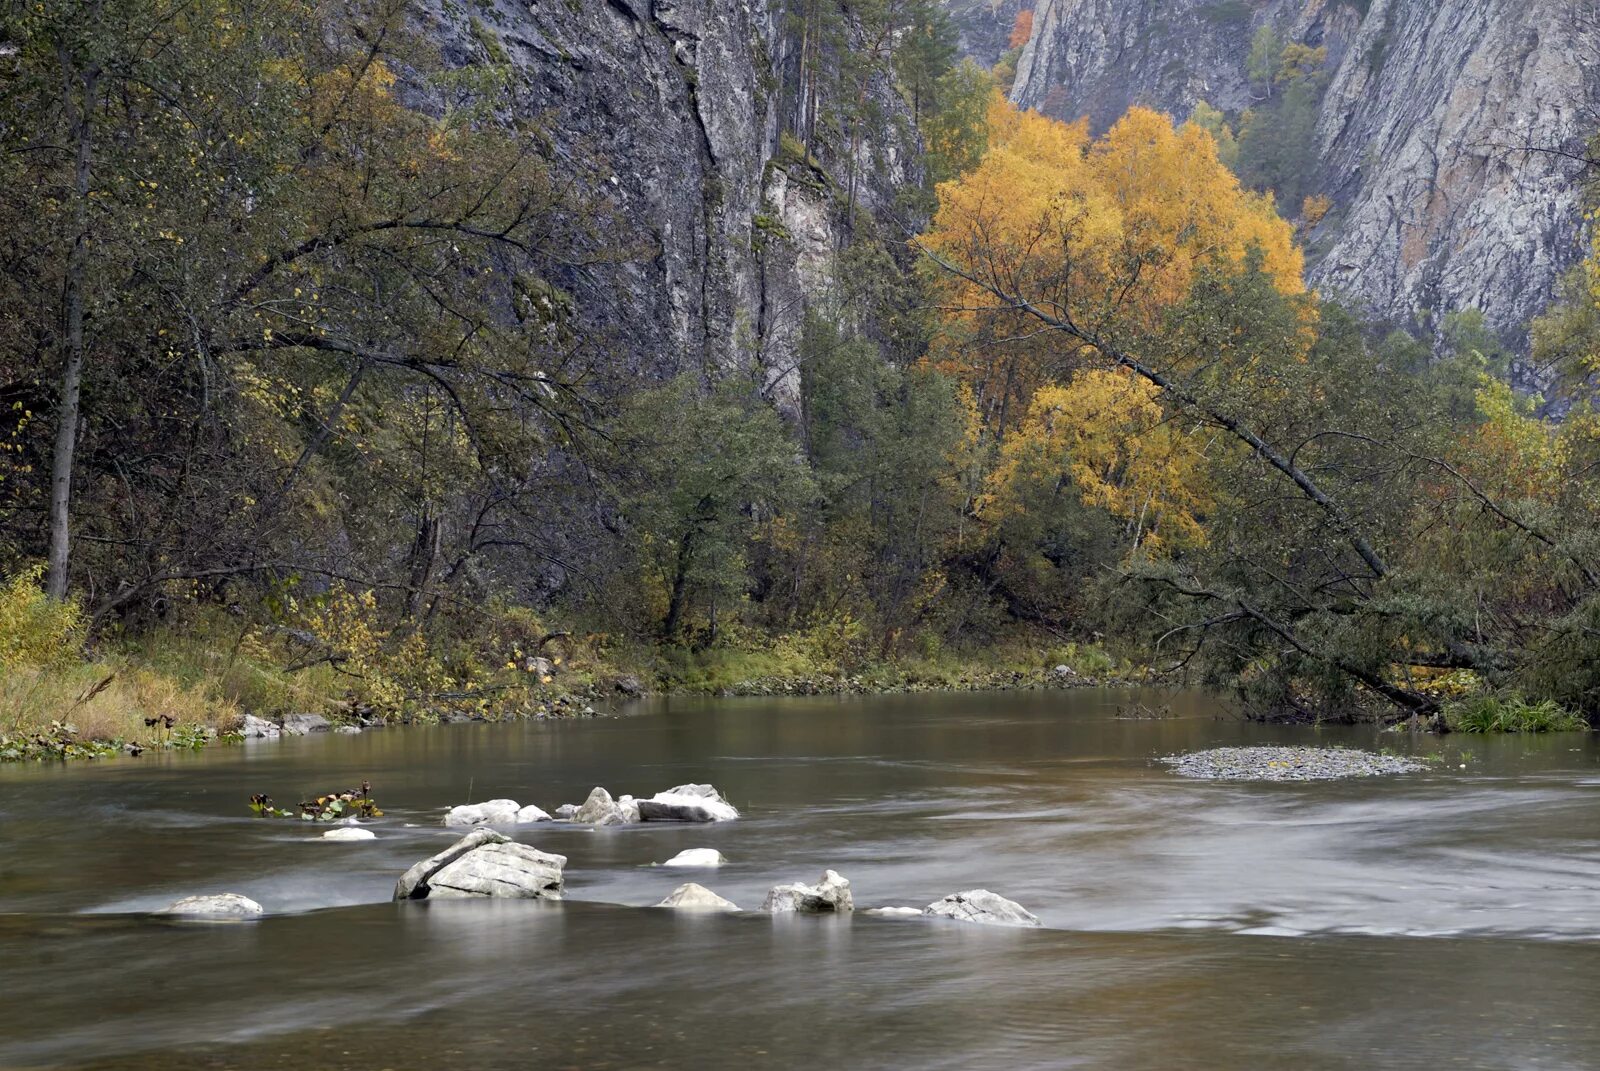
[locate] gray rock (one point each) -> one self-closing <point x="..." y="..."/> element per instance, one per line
<point x="216" y="906"/>
<point x="484" y="863"/>
<point x="687" y="803"/>
<point x="301" y="724"/>
<point x="981" y="906"/>
<point x="566" y="811"/>
<point x="600" y="810"/>
<point x="693" y="897"/>
<point x="529" y="813"/>
<point x="255" y="728"/>
<point x="830" y="894"/>
<point x="490" y="812"/>
<point x="628" y="686"/>
<point x="348" y="730"/>
<point x="1288" y="764"/>
<point x="349" y="833"/>
<point x="895" y="912"/>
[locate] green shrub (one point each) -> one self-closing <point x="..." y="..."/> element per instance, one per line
<point x="1513" y="714"/>
<point x="35" y="630"/>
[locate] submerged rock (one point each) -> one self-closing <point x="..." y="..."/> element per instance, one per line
<point x="217" y="906"/>
<point x="693" y="897"/>
<point x="981" y="906"/>
<point x="1287" y="764"/>
<point x="687" y="803"/>
<point x="484" y="863"/>
<point x="830" y="894"/>
<point x="701" y="857"/>
<point x="349" y="833"/>
<point x="895" y="912"/>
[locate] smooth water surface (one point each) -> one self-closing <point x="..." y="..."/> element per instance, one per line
<point x="1449" y="919"/>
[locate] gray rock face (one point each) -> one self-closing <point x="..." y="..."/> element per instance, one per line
<point x="217" y="906"/>
<point x="484" y="863"/>
<point x="566" y="811"/>
<point x="830" y="894"/>
<point x="301" y="724"/>
<point x="681" y="106"/>
<point x="494" y="813"/>
<point x="1427" y="103"/>
<point x="693" y="897"/>
<point x="687" y="803"/>
<point x="981" y="906"/>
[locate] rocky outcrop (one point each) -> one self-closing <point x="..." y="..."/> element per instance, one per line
<point x="1421" y="139"/>
<point x="216" y="906"/>
<point x="693" y="897"/>
<point x="675" y="111"/>
<point x="828" y="895"/>
<point x="687" y="803"/>
<point x="484" y="863"/>
<point x="304" y="724"/>
<point x="981" y="906"/>
<point x="601" y="810"/>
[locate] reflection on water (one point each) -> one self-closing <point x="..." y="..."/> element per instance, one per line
<point x="1449" y="919"/>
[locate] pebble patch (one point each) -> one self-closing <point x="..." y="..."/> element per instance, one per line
<point x="1287" y="764"/>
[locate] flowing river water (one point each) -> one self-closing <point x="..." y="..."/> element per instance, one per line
<point x="1447" y="919"/>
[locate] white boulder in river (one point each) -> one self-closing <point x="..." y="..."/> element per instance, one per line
<point x="349" y="833"/>
<point x="981" y="905"/>
<point x="484" y="863"/>
<point x="832" y="893"/>
<point x="687" y="803"/>
<point x="494" y="813"/>
<point x="697" y="857"/>
<point x="693" y="897"/>
<point x="226" y="905"/>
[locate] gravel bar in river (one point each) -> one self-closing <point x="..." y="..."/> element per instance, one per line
<point x="1287" y="764"/>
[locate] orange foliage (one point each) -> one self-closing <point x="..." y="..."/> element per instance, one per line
<point x="1021" y="30"/>
<point x="1107" y="232"/>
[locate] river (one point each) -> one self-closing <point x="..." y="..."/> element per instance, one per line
<point x="1448" y="919"/>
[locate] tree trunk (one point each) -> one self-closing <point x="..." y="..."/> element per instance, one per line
<point x="680" y="588"/>
<point x="72" y="301"/>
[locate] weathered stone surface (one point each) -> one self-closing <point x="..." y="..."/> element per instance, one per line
<point x="600" y="810"/>
<point x="349" y="833"/>
<point x="830" y="894"/>
<point x="981" y="906"/>
<point x="1416" y="138"/>
<point x="484" y="863"/>
<point x="697" y="857"/>
<point x="529" y="813"/>
<point x="216" y="906"/>
<point x="506" y="869"/>
<point x="413" y="884"/>
<point x="302" y="724"/>
<point x="490" y="812"/>
<point x="693" y="897"/>
<point x="348" y="730"/>
<point x="629" y="808"/>
<point x="566" y="811"/>
<point x="254" y="728"/>
<point x="687" y="803"/>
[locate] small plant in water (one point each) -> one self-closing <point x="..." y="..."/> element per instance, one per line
<point x="331" y="807"/>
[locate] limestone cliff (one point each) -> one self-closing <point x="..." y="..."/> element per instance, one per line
<point x="683" y="103"/>
<point x="1421" y="138"/>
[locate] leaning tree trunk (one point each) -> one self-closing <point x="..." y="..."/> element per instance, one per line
<point x="72" y="300"/>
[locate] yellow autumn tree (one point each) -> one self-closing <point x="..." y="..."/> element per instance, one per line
<point x="1105" y="431"/>
<point x="1109" y="234"/>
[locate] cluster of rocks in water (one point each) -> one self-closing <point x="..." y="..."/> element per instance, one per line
<point x="488" y="863"/>
<point x="1288" y="764"/>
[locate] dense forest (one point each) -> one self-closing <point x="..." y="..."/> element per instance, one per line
<point x="302" y="406"/>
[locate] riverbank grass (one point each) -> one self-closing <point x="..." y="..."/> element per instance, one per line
<point x="1511" y="714"/>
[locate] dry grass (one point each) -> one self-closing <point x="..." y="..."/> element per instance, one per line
<point x="106" y="700"/>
